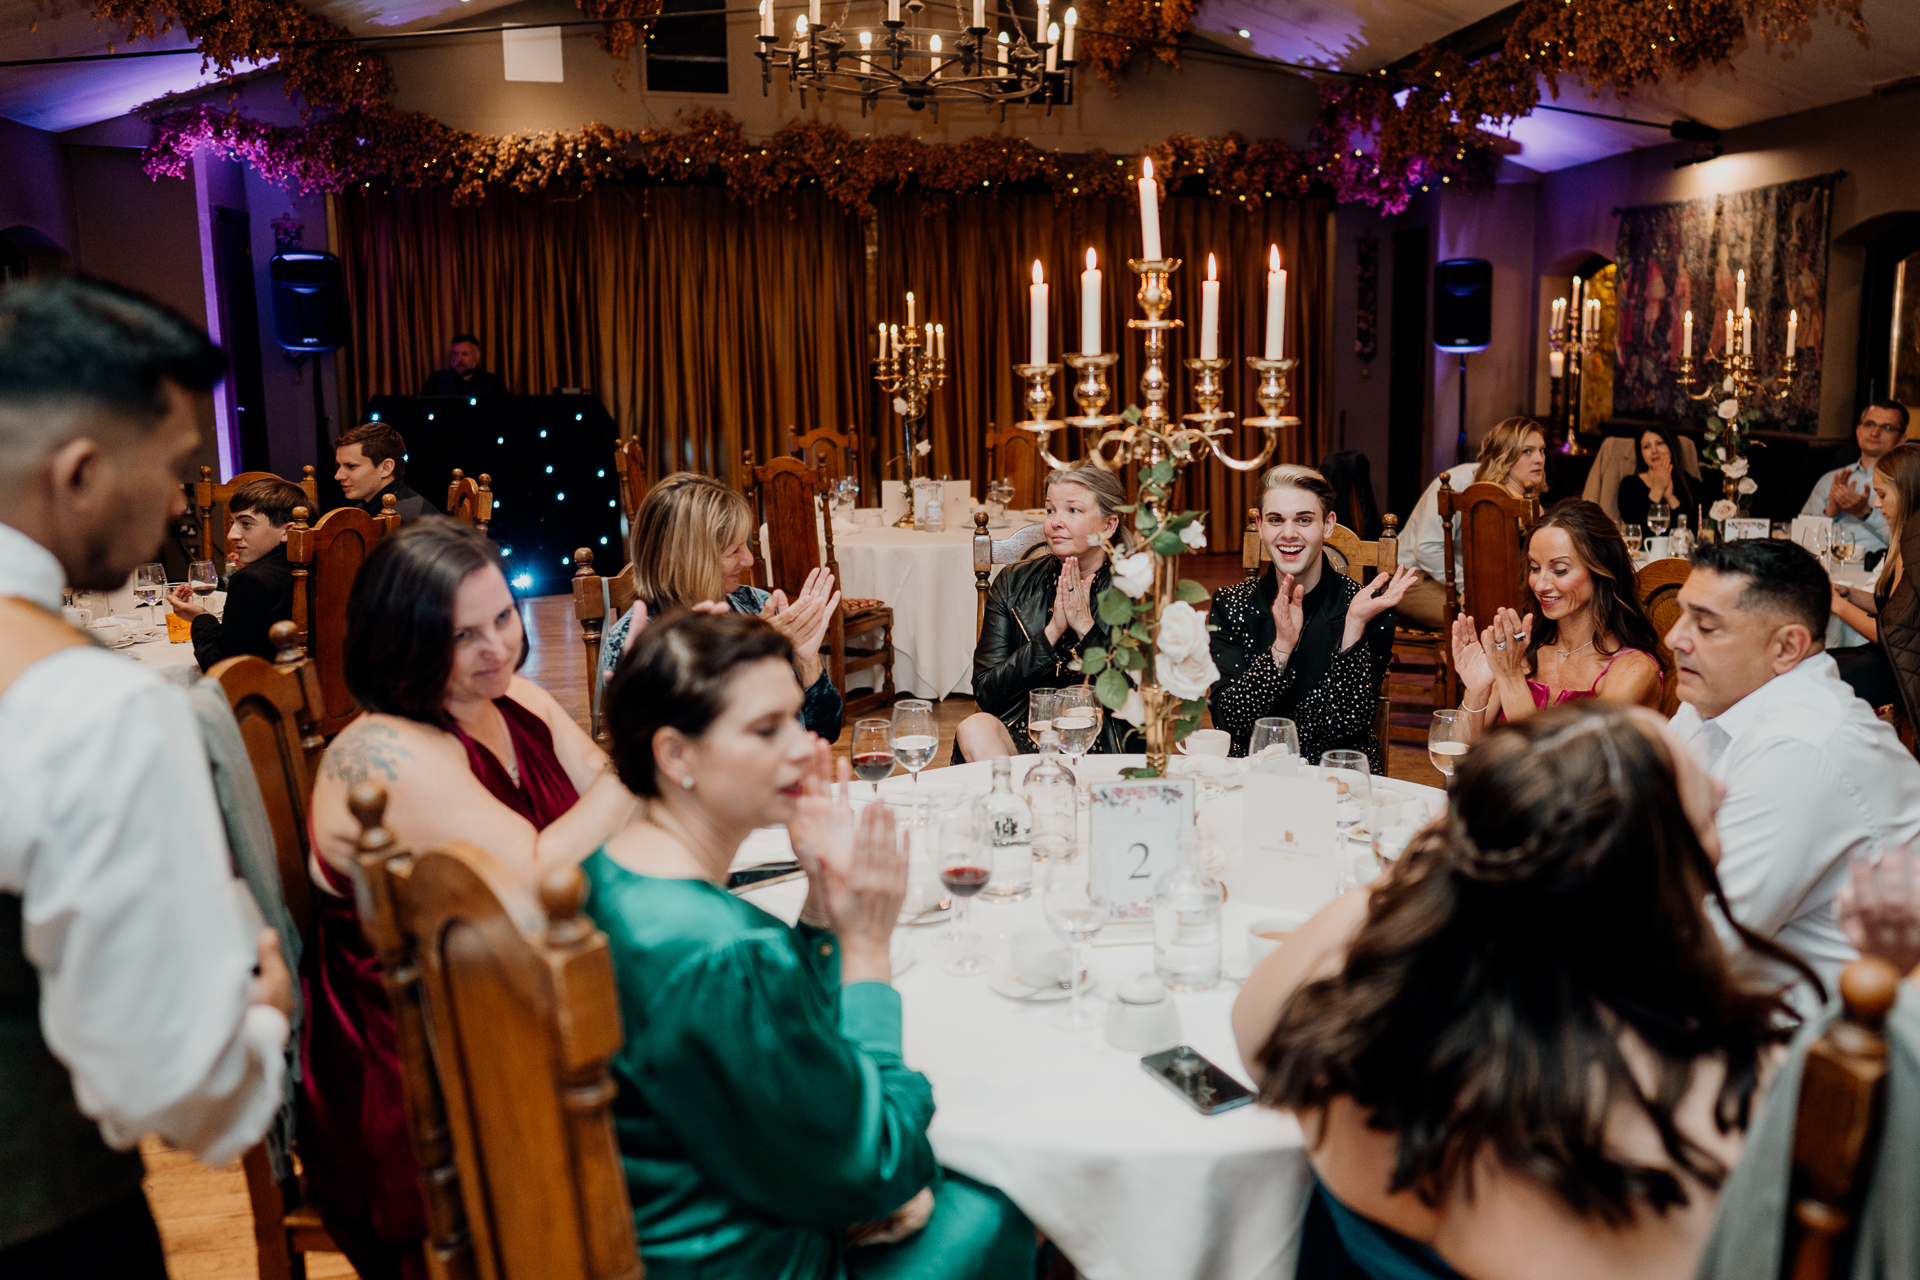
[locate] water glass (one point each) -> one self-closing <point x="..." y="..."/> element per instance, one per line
<point x="1447" y="740"/>
<point x="1271" y="732"/>
<point x="1077" y="907"/>
<point x="150" y="587"/>
<point x="872" y="750"/>
<point x="1076" y="718"/>
<point x="1635" y="537"/>
<point x="1659" y="519"/>
<point x="1352" y="778"/>
<point x="913" y="737"/>
<point x="1040" y="707"/>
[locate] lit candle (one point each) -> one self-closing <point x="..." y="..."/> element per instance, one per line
<point x="1733" y="336"/>
<point x="940" y="342"/>
<point x="1149" y="212"/>
<point x="883" y="342"/>
<point x="1746" y="332"/>
<point x="1090" y="307"/>
<point x="933" y="45"/>
<point x="929" y="329"/>
<point x="800" y="33"/>
<point x="866" y="45"/>
<point x="979" y="15"/>
<point x="1037" y="299"/>
<point x="1276" y="304"/>
<point x="893" y="11"/>
<point x="1559" y="313"/>
<point x="909" y="310"/>
<point x="1040" y="22"/>
<point x="893" y="338"/>
<point x="766" y="17"/>
<point x="1793" y="333"/>
<point x="1740" y="292"/>
<point x="1686" y="334"/>
<point x="1210" y="312"/>
<point x="1004" y="45"/>
<point x="1053" y="46"/>
<point x="1073" y="20"/>
<point x="1556" y="364"/>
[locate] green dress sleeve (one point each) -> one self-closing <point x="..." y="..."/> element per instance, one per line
<point x="786" y="1089"/>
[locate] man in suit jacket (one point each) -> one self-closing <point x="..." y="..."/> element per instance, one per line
<point x="370" y="461"/>
<point x="260" y="591"/>
<point x="463" y="375"/>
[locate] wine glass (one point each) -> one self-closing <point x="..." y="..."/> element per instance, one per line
<point x="1447" y="740"/>
<point x="912" y="735"/>
<point x="1635" y="537"/>
<point x="1077" y="906"/>
<point x="1820" y="541"/>
<point x="1659" y="519"/>
<point x="872" y="750"/>
<point x="150" y="587"/>
<point x="1352" y="778"/>
<point x="203" y="577"/>
<point x="1845" y="547"/>
<point x="1275" y="731"/>
<point x="1040" y="706"/>
<point x="965" y="868"/>
<point x="1076" y="718"/>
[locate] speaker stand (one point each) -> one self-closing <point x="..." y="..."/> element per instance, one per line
<point x="1460" y="444"/>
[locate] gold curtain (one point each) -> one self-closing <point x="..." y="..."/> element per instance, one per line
<point x="709" y="325"/>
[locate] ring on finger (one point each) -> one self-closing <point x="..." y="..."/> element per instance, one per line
<point x="1499" y="644"/>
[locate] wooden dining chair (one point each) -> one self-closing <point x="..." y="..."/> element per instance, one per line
<point x="1014" y="454"/>
<point x="630" y="468"/>
<point x="836" y="454"/>
<point x="1361" y="560"/>
<point x="596" y="598"/>
<point x="1658" y="586"/>
<point x="506" y="1013"/>
<point x="989" y="552"/>
<point x="1837" y="1125"/>
<point x="471" y="502"/>
<point x="210" y="504"/>
<point x="786" y="494"/>
<point x="277" y="705"/>
<point x="325" y="557"/>
<point x="1493" y="530"/>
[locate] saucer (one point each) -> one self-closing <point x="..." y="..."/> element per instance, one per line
<point x="1228" y="773"/>
<point x="1006" y="982"/>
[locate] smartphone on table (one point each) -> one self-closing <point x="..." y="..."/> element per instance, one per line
<point x="1207" y="1088"/>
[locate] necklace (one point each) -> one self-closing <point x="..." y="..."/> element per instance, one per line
<point x="1568" y="653"/>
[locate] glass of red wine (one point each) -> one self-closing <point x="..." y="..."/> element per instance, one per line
<point x="873" y="751"/>
<point x="965" y="867"/>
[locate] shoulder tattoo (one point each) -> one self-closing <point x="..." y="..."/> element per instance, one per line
<point x="365" y="753"/>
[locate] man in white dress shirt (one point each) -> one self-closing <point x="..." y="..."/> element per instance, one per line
<point x="1811" y="776"/>
<point x="1846" y="493"/>
<point x="129" y="1001"/>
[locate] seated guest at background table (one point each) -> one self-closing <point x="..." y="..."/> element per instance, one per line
<point x="260" y="591"/>
<point x="1658" y="477"/>
<point x="1040" y="616"/>
<point x="1522" y="1052"/>
<point x="1811" y="776"/>
<point x="1867" y="668"/>
<point x="463" y="375"/>
<point x="689" y="543"/>
<point x="764" y="1111"/>
<point x="129" y="1003"/>
<point x="1846" y="493"/>
<point x="369" y="463"/>
<point x="1303" y="640"/>
<point x="1593" y="638"/>
<point x="1513" y="454"/>
<point x="466" y="750"/>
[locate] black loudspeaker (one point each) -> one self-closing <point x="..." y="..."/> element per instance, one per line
<point x="309" y="304"/>
<point x="1463" y="304"/>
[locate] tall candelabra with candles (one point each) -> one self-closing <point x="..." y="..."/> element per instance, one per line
<point x="1736" y="388"/>
<point x="1570" y="341"/>
<point x="910" y="366"/>
<point x="1159" y="683"/>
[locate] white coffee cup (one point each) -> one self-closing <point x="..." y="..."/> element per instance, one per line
<point x="1039" y="958"/>
<point x="1659" y="548"/>
<point x="1265" y="935"/>
<point x="1208" y="742"/>
<point x="108" y="630"/>
<point x="1143" y="1017"/>
<point x="77" y="617"/>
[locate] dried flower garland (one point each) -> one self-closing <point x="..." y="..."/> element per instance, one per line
<point x="235" y="35"/>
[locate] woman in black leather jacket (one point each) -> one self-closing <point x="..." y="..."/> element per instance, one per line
<point x="1040" y="616"/>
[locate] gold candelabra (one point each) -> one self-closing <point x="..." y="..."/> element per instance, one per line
<point x="1573" y="339"/>
<point x="1737" y="367"/>
<point x="909" y="371"/>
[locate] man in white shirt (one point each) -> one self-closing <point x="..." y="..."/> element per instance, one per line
<point x="1812" y="777"/>
<point x="129" y="1001"/>
<point x="1846" y="493"/>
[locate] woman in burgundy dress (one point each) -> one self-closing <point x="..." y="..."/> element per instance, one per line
<point x="466" y="750"/>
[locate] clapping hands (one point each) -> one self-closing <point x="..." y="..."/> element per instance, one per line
<point x="1289" y="616"/>
<point x="1879" y="908"/>
<point x="804" y="620"/>
<point x="1382" y="594"/>
<point x="856" y="868"/>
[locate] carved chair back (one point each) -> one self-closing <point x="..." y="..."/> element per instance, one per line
<point x="326" y="556"/>
<point x="210" y="505"/>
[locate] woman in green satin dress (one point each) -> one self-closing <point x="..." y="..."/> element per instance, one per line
<point x="764" y="1112"/>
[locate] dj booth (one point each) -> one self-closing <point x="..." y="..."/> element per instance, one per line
<point x="551" y="459"/>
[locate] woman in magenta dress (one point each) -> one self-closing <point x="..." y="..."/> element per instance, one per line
<point x="467" y="750"/>
<point x="1593" y="638"/>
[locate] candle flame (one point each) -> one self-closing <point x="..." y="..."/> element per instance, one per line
<point x="1689" y="317"/>
<point x="1213" y="270"/>
<point x="1053" y="33"/>
<point x="909" y="297"/>
<point x="1793" y="317"/>
<point x="1092" y="262"/>
<point x="934" y="44"/>
<point x="1038" y="278"/>
<point x="1741" y="275"/>
<point x="800" y="25"/>
<point x="1273" y="257"/>
<point x="1003" y="37"/>
<point x="940" y="329"/>
<point x="1073" y="17"/>
<point x="866" y="39"/>
<point x="1146" y="169"/>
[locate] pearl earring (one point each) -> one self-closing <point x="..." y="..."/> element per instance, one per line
<point x="687" y="782"/>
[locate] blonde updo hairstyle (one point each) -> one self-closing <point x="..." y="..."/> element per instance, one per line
<point x="1107" y="491"/>
<point x="1291" y="475"/>
<point x="680" y="536"/>
<point x="1502" y="447"/>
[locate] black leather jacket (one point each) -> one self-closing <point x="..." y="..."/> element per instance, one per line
<point x="1014" y="657"/>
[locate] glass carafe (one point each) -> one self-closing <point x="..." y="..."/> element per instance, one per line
<point x="1050" y="791"/>
<point x="1187" y="906"/>
<point x="1006" y="825"/>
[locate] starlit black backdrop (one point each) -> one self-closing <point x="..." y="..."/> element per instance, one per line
<point x="551" y="459"/>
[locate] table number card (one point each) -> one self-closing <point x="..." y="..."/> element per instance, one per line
<point x="1288" y="845"/>
<point x="1134" y="839"/>
<point x="1739" y="528"/>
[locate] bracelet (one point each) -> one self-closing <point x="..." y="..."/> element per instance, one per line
<point x="1474" y="711"/>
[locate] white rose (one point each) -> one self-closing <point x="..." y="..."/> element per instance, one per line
<point x="1134" y="709"/>
<point x="1727" y="383"/>
<point x="1133" y="574"/>
<point x="1734" y="469"/>
<point x="1747" y="486"/>
<point x="1725" y="509"/>
<point x="1727" y="409"/>
<point x="1183" y="631"/>
<point x="924" y="448"/>
<point x="1195" y="535"/>
<point x="1189" y="677"/>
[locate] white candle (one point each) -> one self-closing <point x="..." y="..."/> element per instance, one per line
<point x="813" y="12"/>
<point x="766" y="17"/>
<point x="893" y="10"/>
<point x="1073" y="20"/>
<point x="1733" y="337"/>
<point x="979" y="15"/>
<point x="1276" y="304"/>
<point x="1149" y="212"/>
<point x="934" y="45"/>
<point x="893" y="338"/>
<point x="1037" y="300"/>
<point x="1210" y="312"/>
<point x="1740" y="292"/>
<point x="909" y="310"/>
<point x="883" y="342"/>
<point x="940" y="342"/>
<point x="1559" y="313"/>
<point x="929" y="347"/>
<point x="800" y="33"/>
<point x="1090" y="307"/>
<point x="866" y="46"/>
<point x="1793" y="333"/>
<point x="1053" y="46"/>
<point x="1003" y="48"/>
<point x="1686" y="332"/>
<point x="1746" y="332"/>
<point x="1556" y="363"/>
<point x="1040" y="22"/>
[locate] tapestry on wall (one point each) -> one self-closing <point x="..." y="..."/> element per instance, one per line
<point x="1679" y="257"/>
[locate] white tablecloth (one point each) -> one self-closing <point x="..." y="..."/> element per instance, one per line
<point x="1132" y="1183"/>
<point x="1839" y="634"/>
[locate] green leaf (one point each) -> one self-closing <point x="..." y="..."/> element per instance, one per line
<point x="1162" y="471"/>
<point x="1115" y="609"/>
<point x="1168" y="544"/>
<point x="1190" y="591"/>
<point x="1140" y="773"/>
<point x="1139" y="632"/>
<point x="1112" y="689"/>
<point x="1194" y="706"/>
<point x="1132" y="414"/>
<point x="1143" y="522"/>
<point x="1093" y="661"/>
<point x="1129" y="658"/>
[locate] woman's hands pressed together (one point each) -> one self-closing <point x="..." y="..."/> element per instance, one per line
<point x="804" y="621"/>
<point x="856" y="870"/>
<point x="1072" y="603"/>
<point x="1505" y="644"/>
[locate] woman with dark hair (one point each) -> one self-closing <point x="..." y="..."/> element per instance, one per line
<point x="1886" y="669"/>
<point x="1594" y="639"/>
<point x="1657" y="477"/>
<point x="466" y="750"/>
<point x="766" y="1120"/>
<point x="1524" y="1052"/>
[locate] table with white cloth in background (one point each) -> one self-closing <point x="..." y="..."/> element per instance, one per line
<point x="1130" y="1181"/>
<point x="153" y="647"/>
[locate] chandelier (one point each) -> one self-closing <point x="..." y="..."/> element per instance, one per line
<point x="904" y="59"/>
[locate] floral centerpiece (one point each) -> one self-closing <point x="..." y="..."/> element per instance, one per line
<point x="1729" y="440"/>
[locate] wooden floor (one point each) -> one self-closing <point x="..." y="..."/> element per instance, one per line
<point x="203" y="1213"/>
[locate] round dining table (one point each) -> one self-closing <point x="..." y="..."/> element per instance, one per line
<point x="1128" y="1179"/>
